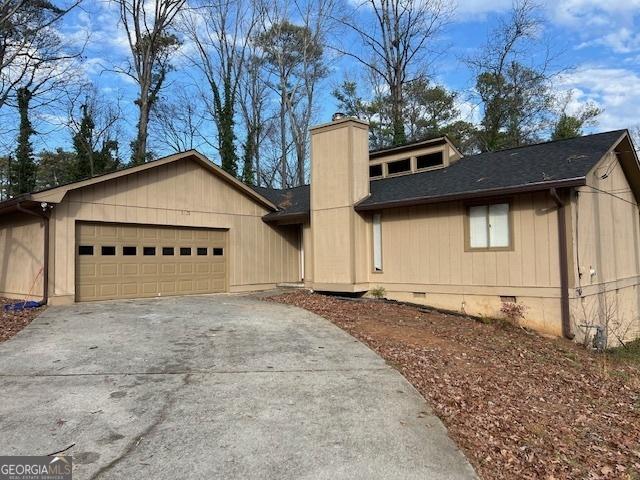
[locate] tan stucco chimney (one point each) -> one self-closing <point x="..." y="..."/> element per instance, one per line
<point x="339" y="179"/>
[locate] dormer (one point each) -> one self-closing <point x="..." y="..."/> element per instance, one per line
<point x="412" y="158"/>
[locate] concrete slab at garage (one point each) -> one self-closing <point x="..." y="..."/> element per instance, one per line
<point x="219" y="386"/>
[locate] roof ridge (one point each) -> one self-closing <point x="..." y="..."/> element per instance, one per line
<point x="547" y="142"/>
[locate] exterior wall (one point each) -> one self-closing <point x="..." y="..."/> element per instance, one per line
<point x="181" y="194"/>
<point x="339" y="178"/>
<point x="606" y="260"/>
<point x="21" y="256"/>
<point x="308" y="254"/>
<point x="424" y="261"/>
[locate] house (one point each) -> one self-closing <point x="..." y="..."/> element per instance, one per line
<point x="553" y="226"/>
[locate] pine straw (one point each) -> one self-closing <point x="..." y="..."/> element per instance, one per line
<point x="12" y="322"/>
<point x="519" y="405"/>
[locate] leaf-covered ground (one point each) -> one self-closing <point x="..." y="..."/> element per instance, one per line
<point x="519" y="405"/>
<point x="12" y="322"/>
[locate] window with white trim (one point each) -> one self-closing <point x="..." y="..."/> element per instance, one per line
<point x="489" y="226"/>
<point x="377" y="243"/>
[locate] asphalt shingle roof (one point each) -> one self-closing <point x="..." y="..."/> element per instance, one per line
<point x="528" y="166"/>
<point x="291" y="201"/>
<point x="531" y="167"/>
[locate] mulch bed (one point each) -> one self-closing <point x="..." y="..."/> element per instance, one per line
<point x="521" y="406"/>
<point x="12" y="322"/>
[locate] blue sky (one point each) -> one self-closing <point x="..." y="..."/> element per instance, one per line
<point x="599" y="40"/>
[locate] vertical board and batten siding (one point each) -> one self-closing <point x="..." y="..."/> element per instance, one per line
<point x="425" y="245"/>
<point x="181" y="193"/>
<point x="21" y="256"/>
<point x="424" y="261"/>
<point x="608" y="226"/>
<point x="607" y="223"/>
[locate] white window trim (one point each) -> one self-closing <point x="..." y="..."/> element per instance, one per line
<point x="377" y="242"/>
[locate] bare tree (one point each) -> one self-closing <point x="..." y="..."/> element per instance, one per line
<point x="178" y="121"/>
<point x="220" y="33"/>
<point x="316" y="16"/>
<point x="513" y="80"/>
<point x="292" y="63"/>
<point x="148" y="25"/>
<point x="28" y="42"/>
<point x="396" y="44"/>
<point x="258" y="123"/>
<point x="94" y="123"/>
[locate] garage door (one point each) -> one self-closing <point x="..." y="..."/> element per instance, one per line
<point x="133" y="261"/>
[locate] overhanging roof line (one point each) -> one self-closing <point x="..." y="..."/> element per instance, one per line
<point x="574" y="182"/>
<point x="56" y="194"/>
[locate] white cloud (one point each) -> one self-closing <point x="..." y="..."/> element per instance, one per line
<point x="581" y="13"/>
<point x="471" y="10"/>
<point x="615" y="90"/>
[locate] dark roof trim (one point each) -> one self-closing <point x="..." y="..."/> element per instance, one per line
<point x="531" y="187"/>
<point x="406" y="147"/>
<point x="286" y="218"/>
<point x="11" y="204"/>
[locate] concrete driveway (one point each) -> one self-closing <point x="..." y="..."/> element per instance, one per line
<point x="213" y="387"/>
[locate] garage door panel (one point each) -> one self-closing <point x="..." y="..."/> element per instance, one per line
<point x="149" y="269"/>
<point x="87" y="270"/>
<point x="186" y="268"/>
<point x="169" y="268"/>
<point x="107" y="232"/>
<point x="130" y="270"/>
<point x="108" y="270"/>
<point x="149" y="234"/>
<point x="218" y="267"/>
<point x="149" y="288"/>
<point x="108" y="290"/>
<point x="87" y="291"/>
<point x="168" y="287"/>
<point x="202" y="268"/>
<point x="185" y="286"/>
<point x="109" y="276"/>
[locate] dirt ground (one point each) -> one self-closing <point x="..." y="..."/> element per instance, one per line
<point x="521" y="406"/>
<point x="12" y="322"/>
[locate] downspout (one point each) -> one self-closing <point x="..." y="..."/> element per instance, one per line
<point x="564" y="265"/>
<point x="45" y="268"/>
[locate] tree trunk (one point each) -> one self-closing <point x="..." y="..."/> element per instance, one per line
<point x="397" y="119"/>
<point x="140" y="148"/>
<point x="283" y="135"/>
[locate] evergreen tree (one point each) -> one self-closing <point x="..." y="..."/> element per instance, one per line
<point x="22" y="170"/>
<point x="570" y="126"/>
<point x="248" y="172"/>
<point x="55" y="168"/>
<point x="90" y="160"/>
<point x="83" y="146"/>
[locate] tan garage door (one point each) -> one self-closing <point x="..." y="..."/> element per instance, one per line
<point x="133" y="261"/>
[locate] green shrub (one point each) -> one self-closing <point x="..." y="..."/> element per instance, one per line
<point x="377" y="292"/>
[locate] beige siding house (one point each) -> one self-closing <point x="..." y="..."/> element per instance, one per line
<point x="554" y="227"/>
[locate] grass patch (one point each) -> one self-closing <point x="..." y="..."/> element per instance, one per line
<point x="630" y="352"/>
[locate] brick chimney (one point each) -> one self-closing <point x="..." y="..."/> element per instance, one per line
<point x="339" y="179"/>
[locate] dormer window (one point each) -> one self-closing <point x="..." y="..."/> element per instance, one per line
<point x="399" y="166"/>
<point x="430" y="160"/>
<point x="375" y="170"/>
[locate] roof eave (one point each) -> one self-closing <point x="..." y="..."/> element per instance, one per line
<point x="286" y="218"/>
<point x="531" y="187"/>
